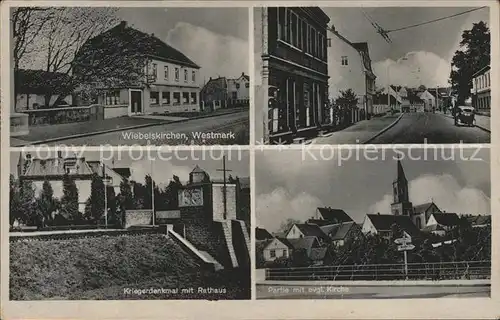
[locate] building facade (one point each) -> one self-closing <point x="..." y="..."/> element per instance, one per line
<point x="349" y="67"/>
<point x="167" y="81"/>
<point x="481" y="90"/>
<point x="294" y="71"/>
<point x="239" y="90"/>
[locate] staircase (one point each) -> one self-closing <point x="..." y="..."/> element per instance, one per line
<point x="244" y="231"/>
<point x="203" y="257"/>
<point x="228" y="236"/>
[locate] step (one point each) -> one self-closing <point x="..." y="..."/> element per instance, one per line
<point x="226" y="227"/>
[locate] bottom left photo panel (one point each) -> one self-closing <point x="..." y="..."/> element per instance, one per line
<point x="128" y="225"/>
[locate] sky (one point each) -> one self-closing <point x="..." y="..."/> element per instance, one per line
<point x="428" y="49"/>
<point x="180" y="163"/>
<point x="214" y="38"/>
<point x="293" y="183"/>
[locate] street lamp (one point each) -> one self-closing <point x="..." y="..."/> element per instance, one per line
<point x="389" y="82"/>
<point x="106" y="181"/>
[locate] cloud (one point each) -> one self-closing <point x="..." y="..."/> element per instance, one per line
<point x="217" y="55"/>
<point x="162" y="171"/>
<point x="445" y="191"/>
<point x="276" y="207"/>
<point x="421" y="67"/>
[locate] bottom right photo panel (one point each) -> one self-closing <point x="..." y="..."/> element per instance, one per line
<point x="358" y="223"/>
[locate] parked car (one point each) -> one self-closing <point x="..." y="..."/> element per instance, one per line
<point x="464" y="116"/>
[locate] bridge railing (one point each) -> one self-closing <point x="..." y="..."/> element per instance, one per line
<point x="416" y="271"/>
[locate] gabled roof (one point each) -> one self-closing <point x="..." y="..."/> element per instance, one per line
<point x="447" y="219"/>
<point x="334" y="215"/>
<point x="338" y="231"/>
<point x="317" y="254"/>
<point x="219" y="83"/>
<point x="311" y="230"/>
<point x="262" y="234"/>
<point x="384" y="222"/>
<point x="423" y="207"/>
<point x="146" y="44"/>
<point x="197" y="170"/>
<point x="56" y="167"/>
<point x="479" y="220"/>
<point x="306" y="243"/>
<point x="124" y="172"/>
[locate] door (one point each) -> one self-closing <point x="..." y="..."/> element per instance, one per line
<point x="135" y="101"/>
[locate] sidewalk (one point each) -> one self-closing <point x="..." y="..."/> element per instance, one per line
<point x="482" y="122"/>
<point x="47" y="132"/>
<point x="359" y="132"/>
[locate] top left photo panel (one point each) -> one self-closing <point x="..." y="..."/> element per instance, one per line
<point x="92" y="76"/>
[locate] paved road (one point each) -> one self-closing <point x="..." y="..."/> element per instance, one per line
<point x="368" y="292"/>
<point x="426" y="127"/>
<point x="188" y="132"/>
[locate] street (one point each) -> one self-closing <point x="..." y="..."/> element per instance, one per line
<point x="224" y="129"/>
<point x="265" y="291"/>
<point x="418" y="128"/>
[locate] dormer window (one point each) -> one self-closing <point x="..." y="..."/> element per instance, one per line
<point x="70" y="167"/>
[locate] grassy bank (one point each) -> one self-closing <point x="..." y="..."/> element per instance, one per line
<point x="105" y="267"/>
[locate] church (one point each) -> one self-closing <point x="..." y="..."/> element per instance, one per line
<point x="413" y="220"/>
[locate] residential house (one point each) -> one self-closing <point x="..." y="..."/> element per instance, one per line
<point x="307" y="244"/>
<point x="479" y="221"/>
<point x="383" y="104"/>
<point x="349" y="67"/>
<point x="37" y="89"/>
<point x="239" y="90"/>
<point x="381" y="224"/>
<point x="327" y="215"/>
<point x="169" y="82"/>
<point x="441" y="223"/>
<point x="275" y="248"/>
<point x="79" y="169"/>
<point x="442" y="96"/>
<point x="423" y="212"/>
<point x="481" y="90"/>
<point x="305" y="230"/>
<point x="214" y="94"/>
<point x="340" y="233"/>
<point x="428" y="99"/>
<point x="262" y="234"/>
<point x="293" y="48"/>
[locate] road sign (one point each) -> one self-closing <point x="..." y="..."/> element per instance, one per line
<point x="402" y="241"/>
<point x="406" y="247"/>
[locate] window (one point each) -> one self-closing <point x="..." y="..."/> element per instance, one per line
<point x="299" y="33"/>
<point x="177" y="98"/>
<point x="165" y="97"/>
<point x="154" y="97"/>
<point x="185" y="76"/>
<point x="272" y="253"/>
<point x="305" y="44"/>
<point x="154" y="70"/>
<point x="112" y="97"/>
<point x="281" y="23"/>
<point x="177" y="74"/>
<point x="317" y="48"/>
<point x="237" y="86"/>
<point x="288" y="29"/>
<point x="285" y="253"/>
<point x="344" y="61"/>
<point x="185" y="97"/>
<point x="321" y="46"/>
<point x="193" y="97"/>
<point x="247" y="85"/>
<point x="312" y="40"/>
<point x="193" y="76"/>
<point x="234" y="95"/>
<point x="165" y="72"/>
<point x="294" y="35"/>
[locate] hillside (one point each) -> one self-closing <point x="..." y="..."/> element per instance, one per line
<point x="102" y="268"/>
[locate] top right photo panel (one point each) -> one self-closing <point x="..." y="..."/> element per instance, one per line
<point x="381" y="75"/>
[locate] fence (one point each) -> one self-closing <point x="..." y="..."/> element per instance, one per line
<point x="64" y="115"/>
<point x="416" y="271"/>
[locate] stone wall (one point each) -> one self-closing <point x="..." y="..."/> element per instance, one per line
<point x="137" y="217"/>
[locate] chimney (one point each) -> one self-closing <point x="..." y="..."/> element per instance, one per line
<point x="243" y="73"/>
<point x="123" y="24"/>
<point x="378" y="213"/>
<point x="59" y="154"/>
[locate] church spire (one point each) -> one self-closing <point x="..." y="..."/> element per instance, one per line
<point x="401" y="173"/>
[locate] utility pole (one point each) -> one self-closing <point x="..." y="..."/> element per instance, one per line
<point x="224" y="190"/>
<point x="105" y="182"/>
<point x="152" y="195"/>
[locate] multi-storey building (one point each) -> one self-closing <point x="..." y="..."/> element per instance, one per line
<point x="167" y="81"/>
<point x="293" y="47"/>
<point x="481" y="90"/>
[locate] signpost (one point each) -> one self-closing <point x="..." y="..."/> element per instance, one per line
<point x="405" y="245"/>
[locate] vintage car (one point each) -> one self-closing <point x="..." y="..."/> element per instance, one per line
<point x="464" y="116"/>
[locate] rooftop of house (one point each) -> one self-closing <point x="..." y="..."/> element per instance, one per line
<point x="306" y="243"/>
<point x="334" y="215"/>
<point x="215" y="83"/>
<point x="338" y="231"/>
<point x="262" y="234"/>
<point x="42" y="82"/>
<point x="479" y="220"/>
<point x="144" y="43"/>
<point x="311" y="230"/>
<point x="447" y="219"/>
<point x="481" y="71"/>
<point x="384" y="222"/>
<point x="422" y="207"/>
<point x="317" y="254"/>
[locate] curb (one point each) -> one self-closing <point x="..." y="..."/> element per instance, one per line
<point x="384" y="130"/>
<point x="476" y="125"/>
<point x="89" y="134"/>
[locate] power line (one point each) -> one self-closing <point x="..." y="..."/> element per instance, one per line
<point x="435" y="20"/>
<point x="377" y="27"/>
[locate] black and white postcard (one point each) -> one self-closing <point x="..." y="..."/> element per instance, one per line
<point x="129" y="225"/>
<point x="129" y="76"/>
<point x="372" y="225"/>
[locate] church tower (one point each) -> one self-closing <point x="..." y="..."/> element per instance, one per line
<point x="401" y="203"/>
